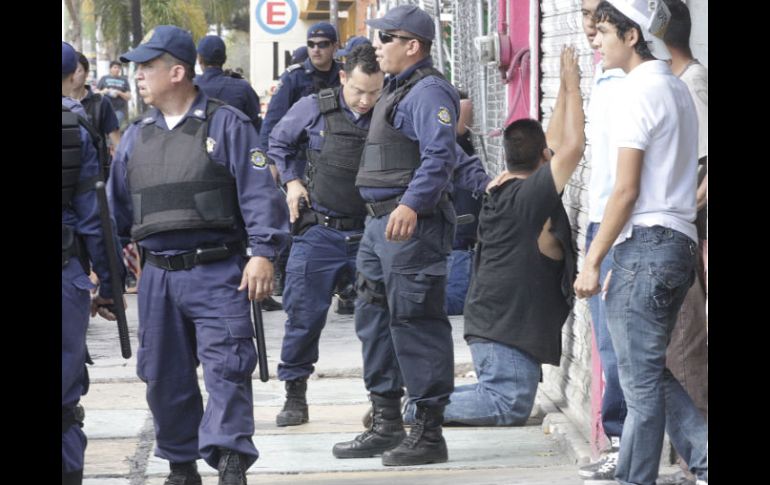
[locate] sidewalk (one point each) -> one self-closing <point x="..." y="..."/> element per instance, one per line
<point x="120" y="431"/>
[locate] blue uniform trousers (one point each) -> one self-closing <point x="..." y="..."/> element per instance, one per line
<point x="75" y="308"/>
<point x="318" y="258"/>
<point x="408" y="339"/>
<point x="187" y="317"/>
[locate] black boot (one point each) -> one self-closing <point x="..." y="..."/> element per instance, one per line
<point x="269" y="304"/>
<point x="232" y="468"/>
<point x="72" y="478"/>
<point x="386" y="432"/>
<point x="294" y="410"/>
<point x="183" y="474"/>
<point x="425" y="443"/>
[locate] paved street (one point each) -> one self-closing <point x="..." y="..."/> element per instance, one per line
<point x="121" y="441"/>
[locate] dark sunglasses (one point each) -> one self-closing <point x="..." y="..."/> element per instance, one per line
<point x="386" y="37"/>
<point x="324" y="44"/>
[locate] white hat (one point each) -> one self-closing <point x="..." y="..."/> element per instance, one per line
<point x="653" y="22"/>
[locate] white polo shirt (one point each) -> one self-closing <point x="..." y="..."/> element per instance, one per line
<point x="605" y="87"/>
<point x="696" y="77"/>
<point x="655" y="113"/>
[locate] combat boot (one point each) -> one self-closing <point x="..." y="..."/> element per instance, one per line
<point x="425" y="443"/>
<point x="183" y="474"/>
<point x="386" y="431"/>
<point x="294" y="410"/>
<point x="231" y="467"/>
<point x="72" y="478"/>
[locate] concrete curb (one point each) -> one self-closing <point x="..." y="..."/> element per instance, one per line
<point x="566" y="434"/>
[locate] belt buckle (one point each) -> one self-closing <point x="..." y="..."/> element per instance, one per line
<point x="326" y="221"/>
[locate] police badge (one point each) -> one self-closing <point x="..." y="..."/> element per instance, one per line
<point x="258" y="159"/>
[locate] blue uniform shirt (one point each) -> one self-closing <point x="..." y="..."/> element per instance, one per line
<point x="83" y="213"/>
<point x="297" y="82"/>
<point x="303" y="125"/>
<point x="234" y="141"/>
<point x="428" y="115"/>
<point x="238" y="93"/>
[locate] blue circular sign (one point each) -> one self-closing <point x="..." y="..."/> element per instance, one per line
<point x="271" y="16"/>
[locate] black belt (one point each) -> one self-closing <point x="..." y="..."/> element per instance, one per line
<point x="383" y="207"/>
<point x="338" y="223"/>
<point x="195" y="257"/>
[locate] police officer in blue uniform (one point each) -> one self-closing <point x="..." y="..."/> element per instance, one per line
<point x="318" y="71"/>
<point x="83" y="245"/>
<point x="405" y="172"/>
<point x="236" y="92"/>
<point x="334" y="125"/>
<point x="188" y="186"/>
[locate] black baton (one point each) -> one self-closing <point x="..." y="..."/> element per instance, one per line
<point x="259" y="331"/>
<point x="117" y="286"/>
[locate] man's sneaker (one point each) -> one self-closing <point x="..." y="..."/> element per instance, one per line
<point x="601" y="471"/>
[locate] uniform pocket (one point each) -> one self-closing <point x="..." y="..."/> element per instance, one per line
<point x="241" y="360"/>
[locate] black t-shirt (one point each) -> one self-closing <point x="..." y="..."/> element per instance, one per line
<point x="119" y="83"/>
<point x="517" y="295"/>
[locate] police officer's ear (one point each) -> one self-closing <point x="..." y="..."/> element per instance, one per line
<point x="343" y="77"/>
<point x="414" y="47"/>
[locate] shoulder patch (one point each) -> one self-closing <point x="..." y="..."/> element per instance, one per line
<point x="258" y="159"/>
<point x="210" y="144"/>
<point x="293" y="67"/>
<point x="444" y="117"/>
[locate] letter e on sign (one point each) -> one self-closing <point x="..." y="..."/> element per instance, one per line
<point x="276" y="16"/>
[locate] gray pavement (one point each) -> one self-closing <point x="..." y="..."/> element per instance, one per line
<point x="121" y="442"/>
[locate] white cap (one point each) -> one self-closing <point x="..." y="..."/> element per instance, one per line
<point x="653" y="17"/>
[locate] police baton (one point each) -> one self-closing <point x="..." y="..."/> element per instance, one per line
<point x="259" y="331"/>
<point x="117" y="307"/>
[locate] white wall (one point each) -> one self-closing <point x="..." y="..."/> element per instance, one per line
<point x="699" y="37"/>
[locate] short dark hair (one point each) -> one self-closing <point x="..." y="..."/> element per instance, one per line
<point x="606" y="12"/>
<point x="189" y="71"/>
<point x="363" y="57"/>
<point x="523" y="143"/>
<point x="83" y="61"/>
<point x="678" y="31"/>
<point x="116" y="63"/>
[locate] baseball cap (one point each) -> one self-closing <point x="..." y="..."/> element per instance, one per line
<point x="212" y="49"/>
<point x="163" y="38"/>
<point x="653" y="23"/>
<point x="409" y="18"/>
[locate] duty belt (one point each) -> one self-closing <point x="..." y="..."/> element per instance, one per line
<point x="195" y="257"/>
<point x="338" y="223"/>
<point x="383" y="207"/>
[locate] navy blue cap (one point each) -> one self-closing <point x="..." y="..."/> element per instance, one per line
<point x="408" y="18"/>
<point x="69" y="59"/>
<point x="322" y="29"/>
<point x="212" y="49"/>
<point x="299" y="54"/>
<point x="352" y="43"/>
<point x="164" y="38"/>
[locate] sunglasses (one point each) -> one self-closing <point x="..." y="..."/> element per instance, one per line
<point x="386" y="37"/>
<point x="324" y="44"/>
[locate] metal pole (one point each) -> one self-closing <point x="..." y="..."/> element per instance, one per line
<point x="439" y="36"/>
<point x="333" y="17"/>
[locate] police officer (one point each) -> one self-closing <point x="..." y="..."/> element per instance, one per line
<point x="319" y="71"/>
<point x="82" y="246"/>
<point x="236" y="92"/>
<point x="404" y="175"/>
<point x="334" y="125"/>
<point x="187" y="184"/>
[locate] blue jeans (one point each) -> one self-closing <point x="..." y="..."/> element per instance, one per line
<point x="613" y="404"/>
<point x="504" y="395"/>
<point x="459" y="271"/>
<point x="651" y="273"/>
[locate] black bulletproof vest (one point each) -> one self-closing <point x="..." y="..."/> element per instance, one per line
<point x="390" y="157"/>
<point x="332" y="171"/>
<point x="70" y="154"/>
<point x="175" y="185"/>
